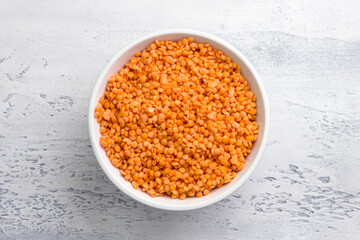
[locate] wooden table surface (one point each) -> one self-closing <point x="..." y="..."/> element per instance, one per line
<point x="307" y="185"/>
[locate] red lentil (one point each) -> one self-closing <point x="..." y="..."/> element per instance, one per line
<point x="178" y="119"/>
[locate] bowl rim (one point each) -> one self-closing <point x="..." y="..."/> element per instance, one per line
<point x="96" y="146"/>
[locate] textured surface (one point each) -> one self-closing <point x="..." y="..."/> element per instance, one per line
<point x="307" y="185"/>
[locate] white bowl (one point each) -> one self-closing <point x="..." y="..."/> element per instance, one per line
<point x="249" y="72"/>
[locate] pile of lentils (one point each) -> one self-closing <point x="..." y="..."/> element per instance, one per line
<point x="178" y="120"/>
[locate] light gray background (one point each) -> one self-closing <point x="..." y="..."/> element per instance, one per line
<point x="307" y="185"/>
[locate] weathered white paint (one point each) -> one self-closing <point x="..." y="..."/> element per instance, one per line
<point x="307" y="185"/>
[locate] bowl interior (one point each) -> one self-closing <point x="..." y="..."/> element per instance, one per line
<point x="217" y="194"/>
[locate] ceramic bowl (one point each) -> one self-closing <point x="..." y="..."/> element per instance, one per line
<point x="252" y="160"/>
